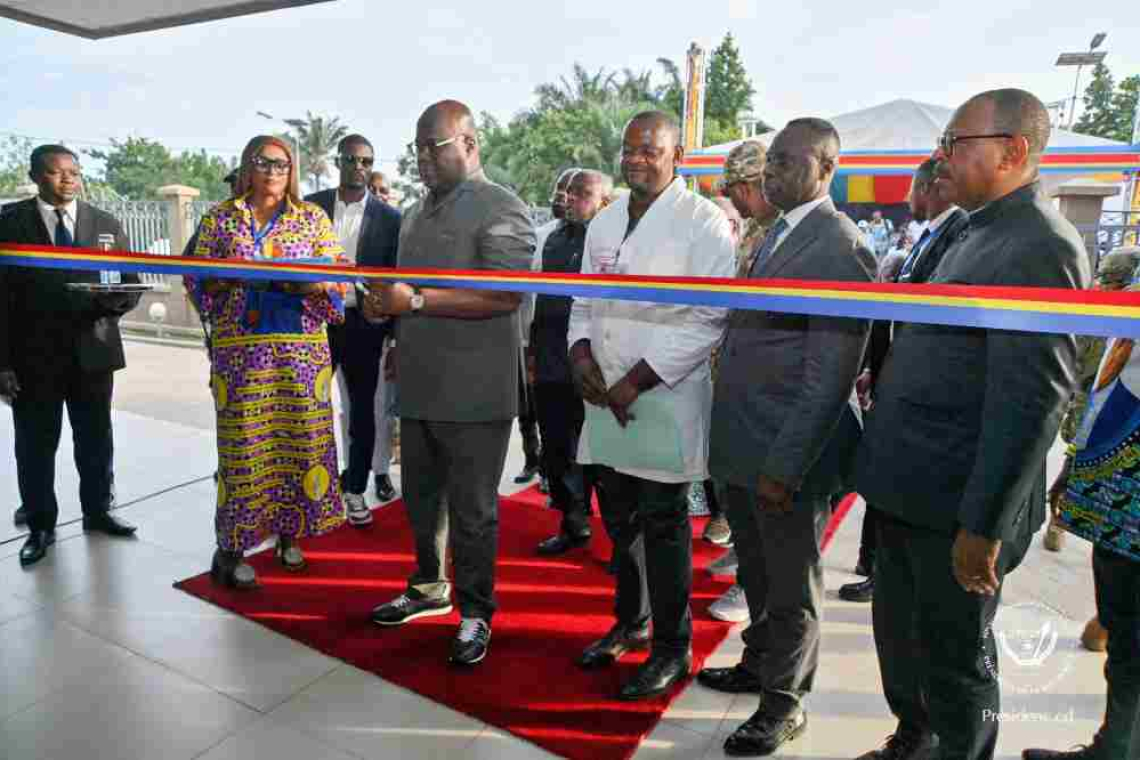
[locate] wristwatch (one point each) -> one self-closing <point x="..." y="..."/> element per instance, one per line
<point x="417" y="302"/>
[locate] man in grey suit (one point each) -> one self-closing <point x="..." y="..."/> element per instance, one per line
<point x="953" y="456"/>
<point x="457" y="370"/>
<point x="785" y="424"/>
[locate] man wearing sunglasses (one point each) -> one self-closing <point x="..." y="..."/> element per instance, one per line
<point x="953" y="455"/>
<point x="369" y="230"/>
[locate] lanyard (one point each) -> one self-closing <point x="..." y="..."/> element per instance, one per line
<point x="259" y="237"/>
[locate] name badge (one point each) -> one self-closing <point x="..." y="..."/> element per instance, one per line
<point x="605" y="261"/>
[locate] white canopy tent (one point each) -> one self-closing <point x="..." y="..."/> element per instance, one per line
<point x="98" y="19"/>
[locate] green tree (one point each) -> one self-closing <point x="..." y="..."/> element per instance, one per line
<point x="317" y="137"/>
<point x="14" y="154"/>
<point x="729" y="89"/>
<point x="1098" y="117"/>
<point x="1124" y="102"/>
<point x="136" y="167"/>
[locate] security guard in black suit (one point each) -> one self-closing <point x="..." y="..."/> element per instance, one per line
<point x="60" y="348"/>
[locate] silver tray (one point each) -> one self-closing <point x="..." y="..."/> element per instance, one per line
<point x="97" y="287"/>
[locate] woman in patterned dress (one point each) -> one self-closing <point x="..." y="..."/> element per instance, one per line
<point x="271" y="368"/>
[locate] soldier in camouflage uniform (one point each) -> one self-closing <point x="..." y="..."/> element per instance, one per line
<point x="743" y="184"/>
<point x="1115" y="272"/>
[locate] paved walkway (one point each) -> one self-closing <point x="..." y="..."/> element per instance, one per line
<point x="101" y="658"/>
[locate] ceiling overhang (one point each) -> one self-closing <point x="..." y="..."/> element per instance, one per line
<point x="99" y="20"/>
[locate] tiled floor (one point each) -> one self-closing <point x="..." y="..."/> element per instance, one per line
<point x="101" y="658"/>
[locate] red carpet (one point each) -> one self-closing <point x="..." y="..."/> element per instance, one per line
<point x="549" y="610"/>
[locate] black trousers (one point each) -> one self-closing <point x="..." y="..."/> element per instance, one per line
<point x="356" y="348"/>
<point x="560" y="416"/>
<point x="38" y="416"/>
<point x="528" y="423"/>
<point x="869" y="538"/>
<point x="450" y="480"/>
<point x="648" y="523"/>
<point x="1118" y="609"/>
<point x="937" y="655"/>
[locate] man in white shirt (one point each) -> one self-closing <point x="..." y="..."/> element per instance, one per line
<point x="369" y="229"/>
<point x="655" y="354"/>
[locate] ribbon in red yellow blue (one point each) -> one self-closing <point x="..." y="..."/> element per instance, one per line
<point x="1109" y="314"/>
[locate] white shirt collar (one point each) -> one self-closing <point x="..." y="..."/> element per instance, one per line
<point x="799" y="213"/>
<point x="939" y="220"/>
<point x="70" y="209"/>
<point x="341" y="202"/>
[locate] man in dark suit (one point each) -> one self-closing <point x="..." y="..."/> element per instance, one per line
<point x="932" y="202"/>
<point x="785" y="424"/>
<point x="369" y="229"/>
<point x="59" y="347"/>
<point x="954" y="452"/>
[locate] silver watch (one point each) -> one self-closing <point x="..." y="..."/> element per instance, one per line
<point x="417" y="301"/>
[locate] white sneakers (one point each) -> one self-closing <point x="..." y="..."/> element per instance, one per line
<point x="732" y="607"/>
<point x="358" y="512"/>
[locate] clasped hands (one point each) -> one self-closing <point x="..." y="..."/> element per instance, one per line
<point x="592" y="385"/>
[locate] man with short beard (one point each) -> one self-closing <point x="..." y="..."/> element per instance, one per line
<point x="623" y="352"/>
<point x="369" y="230"/>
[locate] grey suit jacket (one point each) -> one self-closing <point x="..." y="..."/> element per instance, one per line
<point x="463" y="370"/>
<point x="963" y="418"/>
<point x="784" y="403"/>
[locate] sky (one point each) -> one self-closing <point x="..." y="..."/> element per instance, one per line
<point x="377" y="65"/>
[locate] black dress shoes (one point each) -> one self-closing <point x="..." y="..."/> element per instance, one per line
<point x="734" y="680"/>
<point x="530" y="469"/>
<point x="763" y="734"/>
<point x="385" y="491"/>
<point x="21" y="517"/>
<point x="609" y="649"/>
<point x="563" y="543"/>
<point x="109" y="524"/>
<point x="35" y="548"/>
<point x="656" y="676"/>
<point x="863" y="591"/>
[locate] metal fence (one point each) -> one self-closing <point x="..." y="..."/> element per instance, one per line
<point x="1116" y="229"/>
<point x="145" y="223"/>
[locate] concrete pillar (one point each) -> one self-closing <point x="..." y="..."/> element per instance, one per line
<point x="1081" y="203"/>
<point x="178" y="220"/>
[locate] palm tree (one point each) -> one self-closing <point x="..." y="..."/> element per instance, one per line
<point x="317" y="137"/>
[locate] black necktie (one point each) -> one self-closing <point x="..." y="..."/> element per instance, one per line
<point x="63" y="238"/>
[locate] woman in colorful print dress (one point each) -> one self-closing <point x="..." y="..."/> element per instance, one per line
<point x="271" y="372"/>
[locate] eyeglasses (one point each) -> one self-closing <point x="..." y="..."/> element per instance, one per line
<point x="947" y="142"/>
<point x="433" y="146"/>
<point x="365" y="161"/>
<point x="270" y="166"/>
